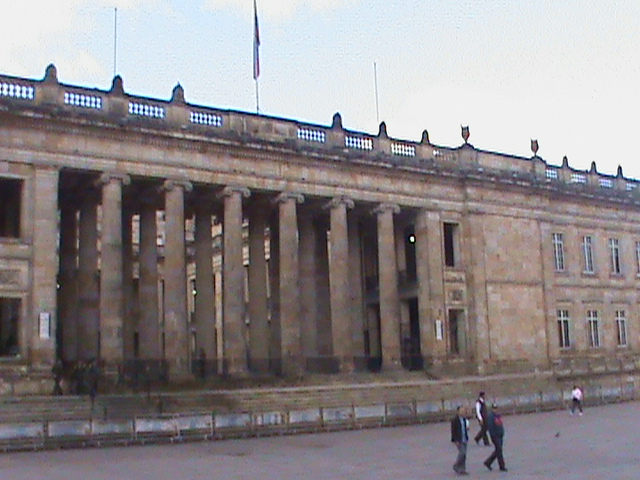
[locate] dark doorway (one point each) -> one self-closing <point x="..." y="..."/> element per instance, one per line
<point x="373" y="340"/>
<point x="411" y="352"/>
<point x="456" y="332"/>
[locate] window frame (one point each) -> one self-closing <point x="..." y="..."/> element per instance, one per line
<point x="593" y="329"/>
<point x="564" y="328"/>
<point x="587" y="255"/>
<point x="558" y="252"/>
<point x="614" y="250"/>
<point x="622" y="336"/>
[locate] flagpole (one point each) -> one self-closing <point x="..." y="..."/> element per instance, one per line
<point x="257" y="97"/>
<point x="115" y="40"/>
<point x="256" y="54"/>
<point x="375" y="84"/>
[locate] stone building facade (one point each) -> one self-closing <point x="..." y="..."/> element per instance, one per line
<point x="193" y="240"/>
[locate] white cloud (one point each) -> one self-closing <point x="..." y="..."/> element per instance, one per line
<point x="279" y="10"/>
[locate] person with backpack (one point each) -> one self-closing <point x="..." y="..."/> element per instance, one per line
<point x="496" y="432"/>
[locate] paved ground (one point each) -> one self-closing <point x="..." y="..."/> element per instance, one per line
<point x="602" y="444"/>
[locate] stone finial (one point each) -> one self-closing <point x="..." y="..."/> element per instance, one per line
<point x="593" y="168"/>
<point x="337" y="121"/>
<point x="177" y="95"/>
<point x="117" y="86"/>
<point x="534" y="147"/>
<point x="619" y="172"/>
<point x="465" y="133"/>
<point x="425" y="138"/>
<point x="565" y="162"/>
<point x="51" y="74"/>
<point x="382" y="130"/>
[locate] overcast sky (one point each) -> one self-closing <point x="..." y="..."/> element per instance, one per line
<point x="565" y="72"/>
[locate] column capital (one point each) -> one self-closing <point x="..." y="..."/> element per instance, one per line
<point x="286" y="196"/>
<point x="172" y="184"/>
<point x="386" y="207"/>
<point x="231" y="189"/>
<point x="108" y="177"/>
<point x="337" y="201"/>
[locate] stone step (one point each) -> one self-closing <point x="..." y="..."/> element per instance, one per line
<point x="267" y="399"/>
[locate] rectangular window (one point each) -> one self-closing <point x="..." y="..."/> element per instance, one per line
<point x="9" y="316"/>
<point x="614" y="247"/>
<point x="593" y="329"/>
<point x="587" y="253"/>
<point x="10" y="196"/>
<point x="558" y="251"/>
<point x="638" y="258"/>
<point x="621" y="327"/>
<point x="451" y="244"/>
<point x="563" y="329"/>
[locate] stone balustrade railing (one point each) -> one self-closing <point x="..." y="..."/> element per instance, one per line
<point x="179" y="116"/>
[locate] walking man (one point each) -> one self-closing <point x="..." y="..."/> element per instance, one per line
<point x="496" y="431"/>
<point x="481" y="414"/>
<point x="460" y="437"/>
<point x="576" y="399"/>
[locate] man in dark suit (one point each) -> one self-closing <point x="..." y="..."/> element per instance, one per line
<point x="460" y="437"/>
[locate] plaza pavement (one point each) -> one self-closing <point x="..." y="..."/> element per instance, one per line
<point x="602" y="444"/>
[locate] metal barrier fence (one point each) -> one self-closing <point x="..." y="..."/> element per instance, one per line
<point x="213" y="426"/>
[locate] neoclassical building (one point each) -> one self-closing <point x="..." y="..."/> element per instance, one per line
<point x="194" y="240"/>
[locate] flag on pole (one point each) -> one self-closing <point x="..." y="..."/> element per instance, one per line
<point x="256" y="43"/>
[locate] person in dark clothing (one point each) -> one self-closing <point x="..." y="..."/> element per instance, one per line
<point x="460" y="437"/>
<point x="496" y="432"/>
<point x="481" y="415"/>
<point x="58" y="372"/>
<point x="92" y="375"/>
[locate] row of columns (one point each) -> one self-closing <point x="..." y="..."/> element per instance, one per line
<point x="302" y="321"/>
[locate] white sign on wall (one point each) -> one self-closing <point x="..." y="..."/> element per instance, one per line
<point x="44" y="320"/>
<point x="439" y="330"/>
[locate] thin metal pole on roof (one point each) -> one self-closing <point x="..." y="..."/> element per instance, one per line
<point x="375" y="82"/>
<point x="115" y="40"/>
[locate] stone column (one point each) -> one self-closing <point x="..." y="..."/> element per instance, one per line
<point x="388" y="282"/>
<point x="111" y="271"/>
<point x="149" y="320"/>
<point x="426" y="320"/>
<point x="308" y="294"/>
<point x="175" y="280"/>
<point x="323" y="292"/>
<point x="68" y="294"/>
<point x="235" y="349"/>
<point x="275" y="355"/>
<point x="45" y="268"/>
<point x="341" y="326"/>
<point x="129" y="321"/>
<point x="205" y="314"/>
<point x="88" y="296"/>
<point x="258" y="308"/>
<point x="289" y="289"/>
<point x="356" y="297"/>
